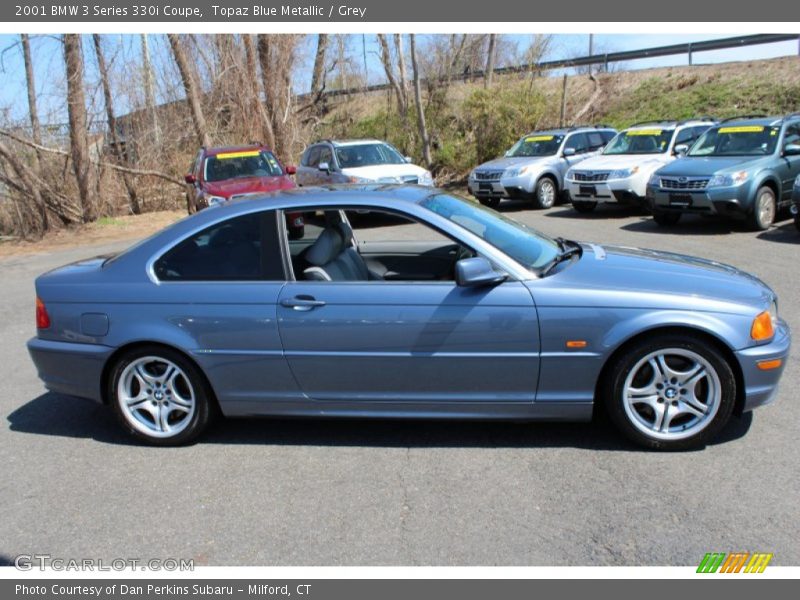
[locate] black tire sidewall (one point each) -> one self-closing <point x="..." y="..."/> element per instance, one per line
<point x="203" y="405"/>
<point x="613" y="386"/>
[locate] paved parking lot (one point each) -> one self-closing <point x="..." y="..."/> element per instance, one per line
<point x="278" y="492"/>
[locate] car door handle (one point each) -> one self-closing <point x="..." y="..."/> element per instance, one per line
<point x="302" y="303"/>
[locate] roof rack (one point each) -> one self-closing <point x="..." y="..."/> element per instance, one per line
<point x="743" y="117"/>
<point x="705" y="118"/>
<point x="653" y="122"/>
<point x="594" y="126"/>
<point x="791" y="115"/>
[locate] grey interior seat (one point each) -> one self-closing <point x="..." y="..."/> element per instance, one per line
<point x="333" y="257"/>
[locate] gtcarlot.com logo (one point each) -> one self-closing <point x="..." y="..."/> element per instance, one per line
<point x="28" y="562"/>
<point x="735" y="562"/>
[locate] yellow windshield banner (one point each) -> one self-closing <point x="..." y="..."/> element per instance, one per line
<point x="243" y="154"/>
<point x="644" y="132"/>
<point x="539" y="138"/>
<point x="742" y="129"/>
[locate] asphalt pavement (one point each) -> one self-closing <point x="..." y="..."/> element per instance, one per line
<point x="347" y="492"/>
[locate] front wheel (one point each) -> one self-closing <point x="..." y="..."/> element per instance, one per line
<point x="159" y="396"/>
<point x="545" y="194"/>
<point x="670" y="392"/>
<point x="582" y="206"/>
<point x="764" y="209"/>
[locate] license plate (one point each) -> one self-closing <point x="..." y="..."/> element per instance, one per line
<point x="588" y="190"/>
<point x="680" y="199"/>
<point x="487" y="187"/>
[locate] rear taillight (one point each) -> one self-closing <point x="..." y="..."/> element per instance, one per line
<point x="42" y="318"/>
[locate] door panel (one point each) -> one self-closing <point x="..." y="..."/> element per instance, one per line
<point x="404" y="341"/>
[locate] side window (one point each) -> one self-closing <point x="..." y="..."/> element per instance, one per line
<point x="578" y="142"/>
<point x="596" y="140"/>
<point x="312" y="157"/>
<point x="792" y="136"/>
<point x="194" y="168"/>
<point x="245" y="248"/>
<point x="325" y="156"/>
<point x="689" y="135"/>
<point x="608" y="135"/>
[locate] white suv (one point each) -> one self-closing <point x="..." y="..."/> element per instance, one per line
<point x="621" y="172"/>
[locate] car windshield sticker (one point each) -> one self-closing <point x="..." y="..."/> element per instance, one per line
<point x="539" y="138"/>
<point x="244" y="154"/>
<point x="742" y="129"/>
<point x="644" y="132"/>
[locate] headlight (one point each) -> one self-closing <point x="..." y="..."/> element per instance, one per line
<point x="763" y="327"/>
<point x="570" y="175"/>
<point x="655" y="180"/>
<point x="516" y="172"/>
<point x="728" y="180"/>
<point x="426" y="178"/>
<point x="623" y="173"/>
<point x="215" y="200"/>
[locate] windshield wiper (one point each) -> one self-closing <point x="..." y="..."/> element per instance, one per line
<point x="568" y="250"/>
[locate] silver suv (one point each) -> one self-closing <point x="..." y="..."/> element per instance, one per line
<point x="358" y="161"/>
<point x="534" y="167"/>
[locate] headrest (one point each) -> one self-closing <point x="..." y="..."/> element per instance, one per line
<point x="328" y="246"/>
<point x="346" y="232"/>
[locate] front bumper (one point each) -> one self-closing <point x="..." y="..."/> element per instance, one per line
<point x="623" y="191"/>
<point x="505" y="187"/>
<point x="69" y="368"/>
<point x="761" y="387"/>
<point x="732" y="201"/>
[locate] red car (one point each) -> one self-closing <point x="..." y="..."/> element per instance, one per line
<point x="218" y="175"/>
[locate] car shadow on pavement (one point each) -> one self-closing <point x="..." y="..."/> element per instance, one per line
<point x="785" y="233"/>
<point x="601" y="213"/>
<point x="57" y="415"/>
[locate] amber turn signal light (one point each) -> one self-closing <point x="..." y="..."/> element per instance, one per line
<point x="576" y="344"/>
<point x="762" y="327"/>
<point x="768" y="365"/>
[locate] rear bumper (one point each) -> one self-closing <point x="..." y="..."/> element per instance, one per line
<point x="69" y="368"/>
<point x="761" y="387"/>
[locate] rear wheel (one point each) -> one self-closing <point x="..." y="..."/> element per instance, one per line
<point x="159" y="396"/>
<point x="764" y="209"/>
<point x="546" y="193"/>
<point x="583" y="206"/>
<point x="490" y="202"/>
<point x="670" y="392"/>
<point x="666" y="219"/>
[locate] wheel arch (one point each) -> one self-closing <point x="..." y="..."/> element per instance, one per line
<point x="698" y="332"/>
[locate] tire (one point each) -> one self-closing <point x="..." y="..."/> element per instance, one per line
<point x="666" y="219"/>
<point x="490" y="202"/>
<point x="664" y="404"/>
<point x="765" y="208"/>
<point x="584" y="206"/>
<point x="546" y="193"/>
<point x="190" y="207"/>
<point x="159" y="396"/>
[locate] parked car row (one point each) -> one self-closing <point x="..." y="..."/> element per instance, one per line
<point x="742" y="167"/>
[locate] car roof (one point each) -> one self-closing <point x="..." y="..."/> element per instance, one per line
<point x="351" y="142"/>
<point x="765" y="121"/>
<point x="671" y="123"/>
<point x="566" y="130"/>
<point x="225" y="149"/>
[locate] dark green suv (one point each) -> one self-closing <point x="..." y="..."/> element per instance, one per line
<point x="743" y="167"/>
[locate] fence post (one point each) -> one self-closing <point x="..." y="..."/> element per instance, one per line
<point x="689" y="47"/>
<point x="563" y="101"/>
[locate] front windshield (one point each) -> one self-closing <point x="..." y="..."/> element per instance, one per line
<point x="640" y="141"/>
<point x="367" y="155"/>
<point x="525" y="245"/>
<point x="247" y="163"/>
<point x="536" y="145"/>
<point x="740" y="140"/>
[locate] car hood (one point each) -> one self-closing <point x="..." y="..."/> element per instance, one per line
<point x="691" y="166"/>
<point x="512" y="161"/>
<point x="623" y="161"/>
<point x="385" y="173"/>
<point x="635" y="277"/>
<point x="248" y="185"/>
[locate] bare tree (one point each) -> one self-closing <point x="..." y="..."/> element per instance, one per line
<point x="318" y="73"/>
<point x="423" y="129"/>
<point x="401" y="66"/>
<point x="36" y="128"/>
<point x="116" y="146"/>
<point x="276" y="54"/>
<point x="149" y="89"/>
<point x="488" y="72"/>
<point x="76" y="108"/>
<point x="388" y="68"/>
<point x="190" y="88"/>
<point x="252" y="81"/>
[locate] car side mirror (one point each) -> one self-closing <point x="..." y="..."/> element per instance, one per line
<point x="291" y="170"/>
<point x="791" y="150"/>
<point x="476" y="272"/>
<point x="408" y="159"/>
<point x="681" y="150"/>
<point x="323" y="166"/>
<point x="569" y="152"/>
<point x="190" y="179"/>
